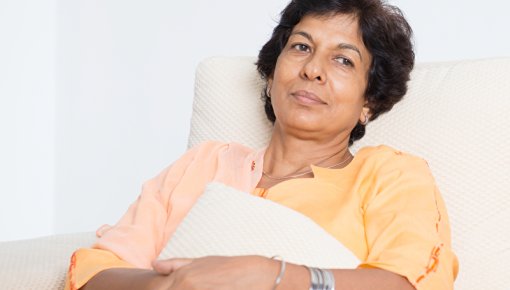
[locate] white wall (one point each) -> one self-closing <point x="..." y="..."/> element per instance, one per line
<point x="27" y="114"/>
<point x="126" y="72"/>
<point x="456" y="29"/>
<point x="123" y="91"/>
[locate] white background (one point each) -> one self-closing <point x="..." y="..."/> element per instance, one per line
<point x="95" y="96"/>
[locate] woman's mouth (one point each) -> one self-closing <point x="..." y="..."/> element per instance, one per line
<point x="307" y="97"/>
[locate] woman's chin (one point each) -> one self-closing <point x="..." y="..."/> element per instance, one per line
<point x="304" y="125"/>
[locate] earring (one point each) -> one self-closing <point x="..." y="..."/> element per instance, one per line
<point x="364" y="123"/>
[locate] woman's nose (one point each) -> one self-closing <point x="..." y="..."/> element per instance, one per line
<point x="313" y="70"/>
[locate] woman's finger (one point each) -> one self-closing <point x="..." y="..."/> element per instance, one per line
<point x="166" y="267"/>
<point x="102" y="230"/>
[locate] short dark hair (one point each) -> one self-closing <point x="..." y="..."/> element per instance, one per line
<point x="386" y="34"/>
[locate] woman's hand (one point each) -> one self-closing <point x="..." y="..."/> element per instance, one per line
<point x="242" y="272"/>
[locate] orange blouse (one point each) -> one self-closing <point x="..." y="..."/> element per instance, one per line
<point x="384" y="206"/>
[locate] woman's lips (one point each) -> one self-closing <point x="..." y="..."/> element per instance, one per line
<point x="307" y="98"/>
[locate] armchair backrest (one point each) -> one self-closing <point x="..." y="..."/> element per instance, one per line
<point x="455" y="115"/>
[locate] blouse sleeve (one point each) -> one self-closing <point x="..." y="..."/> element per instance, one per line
<point x="406" y="225"/>
<point x="86" y="263"/>
<point x="138" y="237"/>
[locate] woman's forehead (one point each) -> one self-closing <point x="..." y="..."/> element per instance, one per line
<point x="330" y="22"/>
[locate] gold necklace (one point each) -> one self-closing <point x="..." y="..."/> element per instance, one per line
<point x="349" y="158"/>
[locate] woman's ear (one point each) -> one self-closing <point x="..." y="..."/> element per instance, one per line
<point x="365" y="115"/>
<point x="269" y="86"/>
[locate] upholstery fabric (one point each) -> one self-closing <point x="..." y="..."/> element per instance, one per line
<point x="454" y="115"/>
<point x="39" y="263"/>
<point x="254" y="226"/>
<point x="233" y="92"/>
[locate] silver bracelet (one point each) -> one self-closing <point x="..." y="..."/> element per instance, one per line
<point x="329" y="280"/>
<point x="321" y="279"/>
<point x="282" y="271"/>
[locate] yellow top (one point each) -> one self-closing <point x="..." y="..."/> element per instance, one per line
<point x="384" y="206"/>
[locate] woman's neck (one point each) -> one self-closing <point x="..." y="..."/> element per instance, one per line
<point x="289" y="155"/>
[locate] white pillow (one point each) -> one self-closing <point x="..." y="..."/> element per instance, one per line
<point x="228" y="222"/>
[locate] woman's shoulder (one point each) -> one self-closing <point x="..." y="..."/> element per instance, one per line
<point x="383" y="152"/>
<point x="383" y="157"/>
<point x="222" y="150"/>
<point x="395" y="174"/>
<point x="221" y="145"/>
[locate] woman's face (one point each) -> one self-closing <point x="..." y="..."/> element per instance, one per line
<point x="320" y="77"/>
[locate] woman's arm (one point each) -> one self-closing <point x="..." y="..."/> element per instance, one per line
<point x="255" y="272"/>
<point x="124" y="278"/>
<point x="246" y="272"/>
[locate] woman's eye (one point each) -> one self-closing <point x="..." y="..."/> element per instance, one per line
<point x="301" y="47"/>
<point x="344" y="61"/>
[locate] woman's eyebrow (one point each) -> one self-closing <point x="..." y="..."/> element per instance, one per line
<point x="340" y="45"/>
<point x="304" y="34"/>
<point x="351" y="47"/>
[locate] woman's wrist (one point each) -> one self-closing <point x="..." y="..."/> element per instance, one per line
<point x="295" y="277"/>
<point x="281" y="272"/>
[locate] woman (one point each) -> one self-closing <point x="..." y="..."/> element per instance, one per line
<point x="331" y="66"/>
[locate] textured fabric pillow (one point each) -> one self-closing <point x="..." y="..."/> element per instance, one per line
<point x="225" y="221"/>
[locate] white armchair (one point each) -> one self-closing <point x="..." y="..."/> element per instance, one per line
<point x="454" y="115"/>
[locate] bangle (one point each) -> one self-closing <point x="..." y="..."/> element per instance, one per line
<point x="329" y="283"/>
<point x="321" y="279"/>
<point x="282" y="271"/>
